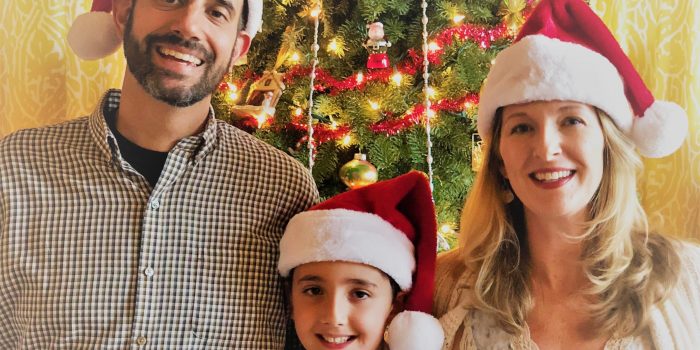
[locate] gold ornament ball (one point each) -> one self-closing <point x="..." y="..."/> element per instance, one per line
<point x="358" y="172"/>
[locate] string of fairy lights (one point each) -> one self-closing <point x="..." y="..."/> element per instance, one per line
<point x="412" y="63"/>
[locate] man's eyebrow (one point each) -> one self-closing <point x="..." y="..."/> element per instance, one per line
<point x="227" y="4"/>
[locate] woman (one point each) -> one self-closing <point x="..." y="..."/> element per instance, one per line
<point x="555" y="250"/>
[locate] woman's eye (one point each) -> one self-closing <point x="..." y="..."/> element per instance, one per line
<point x="312" y="291"/>
<point x="520" y="129"/>
<point x="573" y="121"/>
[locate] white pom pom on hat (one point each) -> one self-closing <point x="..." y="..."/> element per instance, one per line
<point x="93" y="35"/>
<point x="565" y="52"/>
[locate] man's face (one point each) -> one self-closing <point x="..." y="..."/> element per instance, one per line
<point x="180" y="50"/>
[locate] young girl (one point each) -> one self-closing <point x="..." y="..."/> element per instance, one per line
<point x="363" y="260"/>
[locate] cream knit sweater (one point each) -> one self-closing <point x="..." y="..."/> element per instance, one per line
<point x="675" y="324"/>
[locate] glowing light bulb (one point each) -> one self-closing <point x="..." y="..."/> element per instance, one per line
<point x="294" y="58"/>
<point x="316" y="11"/>
<point x="433" y="46"/>
<point x="374" y="105"/>
<point x="359" y="78"/>
<point x="457" y="18"/>
<point x="397" y="78"/>
<point x="233" y="96"/>
<point x="431" y="113"/>
<point x="232" y="86"/>
<point x="346" y="140"/>
<point x="446" y="228"/>
<point x="261" y="118"/>
<point x="298" y="111"/>
<point x="431" y="92"/>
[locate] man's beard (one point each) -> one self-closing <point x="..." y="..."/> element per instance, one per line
<point x="150" y="77"/>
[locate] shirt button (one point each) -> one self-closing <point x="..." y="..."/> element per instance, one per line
<point x="141" y="341"/>
<point x="155" y="204"/>
<point x="149" y="272"/>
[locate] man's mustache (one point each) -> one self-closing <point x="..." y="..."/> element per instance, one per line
<point x="153" y="39"/>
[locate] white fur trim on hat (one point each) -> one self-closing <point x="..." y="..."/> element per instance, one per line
<point x="661" y="130"/>
<point x="93" y="35"/>
<point x="347" y="235"/>
<point x="414" y="330"/>
<point x="539" y="68"/>
<point x="254" y="21"/>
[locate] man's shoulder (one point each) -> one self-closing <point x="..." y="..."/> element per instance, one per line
<point x="244" y="144"/>
<point x="52" y="137"/>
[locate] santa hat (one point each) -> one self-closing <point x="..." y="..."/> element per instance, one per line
<point x="565" y="52"/>
<point x="389" y="225"/>
<point x="93" y="35"/>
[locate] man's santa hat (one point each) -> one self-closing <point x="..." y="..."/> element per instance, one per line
<point x="93" y="35"/>
<point x="389" y="225"/>
<point x="565" y="52"/>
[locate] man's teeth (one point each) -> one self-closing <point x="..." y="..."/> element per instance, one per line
<point x="553" y="176"/>
<point x="336" y="340"/>
<point x="181" y="56"/>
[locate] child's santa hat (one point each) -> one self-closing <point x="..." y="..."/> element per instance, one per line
<point x="93" y="35"/>
<point x="565" y="52"/>
<point x="389" y="225"/>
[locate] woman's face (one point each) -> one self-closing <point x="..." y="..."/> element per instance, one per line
<point x="552" y="155"/>
<point x="340" y="305"/>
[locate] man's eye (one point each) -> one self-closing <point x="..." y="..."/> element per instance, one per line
<point x="219" y="14"/>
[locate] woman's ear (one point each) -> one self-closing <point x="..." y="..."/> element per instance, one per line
<point x="121" y="10"/>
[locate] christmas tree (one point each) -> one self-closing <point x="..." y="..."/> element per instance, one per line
<point x="370" y="89"/>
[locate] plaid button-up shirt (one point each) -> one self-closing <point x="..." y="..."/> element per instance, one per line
<point x="92" y="257"/>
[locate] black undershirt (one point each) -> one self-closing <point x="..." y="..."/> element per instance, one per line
<point x="147" y="162"/>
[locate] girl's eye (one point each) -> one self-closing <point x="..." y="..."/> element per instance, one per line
<point x="312" y="291"/>
<point x="520" y="129"/>
<point x="360" y="294"/>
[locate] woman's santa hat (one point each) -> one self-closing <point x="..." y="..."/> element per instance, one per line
<point x="565" y="52"/>
<point x="389" y="225"/>
<point x="93" y="35"/>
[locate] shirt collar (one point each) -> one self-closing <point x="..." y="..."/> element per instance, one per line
<point x="197" y="145"/>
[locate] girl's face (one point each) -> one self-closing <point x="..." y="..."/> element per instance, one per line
<point x="552" y="156"/>
<point x="340" y="305"/>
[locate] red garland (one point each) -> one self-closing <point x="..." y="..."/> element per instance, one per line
<point x="410" y="66"/>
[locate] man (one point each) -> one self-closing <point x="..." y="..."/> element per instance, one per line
<point x="149" y="224"/>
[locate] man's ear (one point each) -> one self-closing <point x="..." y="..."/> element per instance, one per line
<point x="240" y="48"/>
<point x="120" y="11"/>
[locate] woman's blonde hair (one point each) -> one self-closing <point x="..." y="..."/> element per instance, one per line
<point x="630" y="269"/>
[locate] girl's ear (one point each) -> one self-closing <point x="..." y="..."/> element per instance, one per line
<point x="398" y="305"/>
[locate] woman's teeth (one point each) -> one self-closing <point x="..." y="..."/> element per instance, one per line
<point x="553" y="176"/>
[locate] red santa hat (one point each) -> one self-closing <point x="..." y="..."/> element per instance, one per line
<point x="93" y="35"/>
<point x="565" y="52"/>
<point x="389" y="225"/>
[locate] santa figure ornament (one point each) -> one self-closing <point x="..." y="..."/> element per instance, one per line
<point x="377" y="46"/>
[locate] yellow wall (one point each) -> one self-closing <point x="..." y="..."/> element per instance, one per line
<point x="43" y="82"/>
<point x="661" y="38"/>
